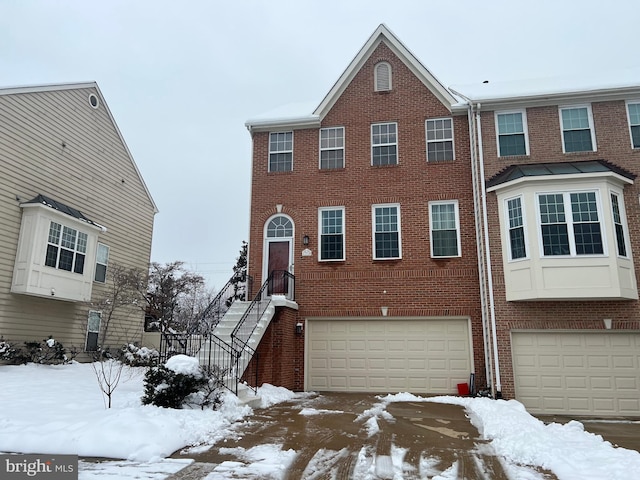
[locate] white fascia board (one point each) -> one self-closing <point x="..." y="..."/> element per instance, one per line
<point x="293" y="123"/>
<point x="46" y="88"/>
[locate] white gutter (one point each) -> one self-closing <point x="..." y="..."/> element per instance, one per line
<point x="492" y="310"/>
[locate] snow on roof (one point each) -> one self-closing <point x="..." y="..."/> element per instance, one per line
<point x="603" y="81"/>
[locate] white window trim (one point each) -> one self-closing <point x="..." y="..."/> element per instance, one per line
<point x="452" y="139"/>
<point x="566" y="195"/>
<point x="623" y="220"/>
<point x="525" y="129"/>
<point x="344" y="140"/>
<point x="592" y="129"/>
<point x="344" y="235"/>
<point x="280" y="151"/>
<point x="373" y="230"/>
<point x="375" y="77"/>
<point x="527" y="250"/>
<point x="457" y="215"/>
<point x="626" y="108"/>
<point x="397" y="143"/>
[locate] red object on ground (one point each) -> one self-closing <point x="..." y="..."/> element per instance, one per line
<point x="463" y="389"/>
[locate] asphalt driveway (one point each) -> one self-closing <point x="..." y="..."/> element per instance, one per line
<point x="336" y="438"/>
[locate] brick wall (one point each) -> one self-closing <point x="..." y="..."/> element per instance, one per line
<point x="614" y="145"/>
<point x="416" y="285"/>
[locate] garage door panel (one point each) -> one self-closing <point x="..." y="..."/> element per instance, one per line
<point x="421" y="356"/>
<point x="581" y="373"/>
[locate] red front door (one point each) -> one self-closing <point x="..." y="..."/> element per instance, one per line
<point x="278" y="263"/>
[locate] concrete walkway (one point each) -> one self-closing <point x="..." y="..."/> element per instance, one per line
<point x="330" y="444"/>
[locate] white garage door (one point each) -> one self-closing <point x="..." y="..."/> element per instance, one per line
<point x="418" y="356"/>
<point x="586" y="373"/>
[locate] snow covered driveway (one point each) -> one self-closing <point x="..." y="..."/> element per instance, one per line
<point x="354" y="436"/>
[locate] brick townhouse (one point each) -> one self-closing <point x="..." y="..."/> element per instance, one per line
<point x="433" y="234"/>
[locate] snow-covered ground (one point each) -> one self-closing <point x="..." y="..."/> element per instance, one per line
<point x="61" y="410"/>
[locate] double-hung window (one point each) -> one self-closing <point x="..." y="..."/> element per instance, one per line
<point x="102" y="259"/>
<point x="511" y="129"/>
<point x="440" y="139"/>
<point x="332" y="147"/>
<point x="384" y="144"/>
<point x="66" y="248"/>
<point x="577" y="129"/>
<point x="517" y="244"/>
<point x="93" y="331"/>
<point x="619" y="226"/>
<point x="281" y="152"/>
<point x="633" y="109"/>
<point x="386" y="232"/>
<point x="331" y="233"/>
<point x="570" y="224"/>
<point x="444" y="224"/>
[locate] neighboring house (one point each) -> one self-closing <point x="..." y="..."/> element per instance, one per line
<point x="74" y="204"/>
<point x="434" y="234"/>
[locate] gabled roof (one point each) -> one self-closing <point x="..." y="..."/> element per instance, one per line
<point x="62" y="208"/>
<point x="79" y="86"/>
<point x="383" y="34"/>
<point x="304" y="119"/>
<point x="515" y="172"/>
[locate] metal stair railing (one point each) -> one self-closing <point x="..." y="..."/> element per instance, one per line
<point x="190" y="342"/>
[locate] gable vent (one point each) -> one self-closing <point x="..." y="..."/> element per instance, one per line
<point x="382" y="77"/>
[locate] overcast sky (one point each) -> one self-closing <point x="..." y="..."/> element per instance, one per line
<point x="182" y="77"/>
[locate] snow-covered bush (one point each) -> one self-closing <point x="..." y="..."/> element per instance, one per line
<point x="135" y="356"/>
<point x="170" y="385"/>
<point x="48" y="352"/>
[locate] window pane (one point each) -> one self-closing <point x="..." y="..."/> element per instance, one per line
<point x="82" y="242"/>
<point x="66" y="260"/>
<point x="510" y="123"/>
<point x="384" y="155"/>
<point x="617" y="220"/>
<point x="69" y="237"/>
<point x="512" y="145"/>
<point x="78" y="266"/>
<point x="280" y="162"/>
<point x="54" y="232"/>
<point x="445" y="243"/>
<point x="588" y="238"/>
<point x="575" y="118"/>
<point x="386" y="219"/>
<point x="552" y="208"/>
<point x="103" y="254"/>
<point x="52" y="256"/>
<point x="555" y="239"/>
<point x="331" y="247"/>
<point x="332" y="159"/>
<point x="634" y="113"/>
<point x="92" y="342"/>
<point x="635" y="135"/>
<point x="387" y="245"/>
<point x="577" y="141"/>
<point x="101" y="273"/>
<point x="583" y="207"/>
<point x="516" y="240"/>
<point x="439" y="151"/>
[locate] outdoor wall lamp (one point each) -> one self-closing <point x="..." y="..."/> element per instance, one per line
<point x="305" y="240"/>
<point x="298" y="328"/>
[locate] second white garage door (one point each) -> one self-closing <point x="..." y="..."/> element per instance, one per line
<point x="418" y="356"/>
<point x="578" y="373"/>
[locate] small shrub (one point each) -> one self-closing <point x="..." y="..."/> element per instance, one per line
<point x="136" y="356"/>
<point x="47" y="352"/>
<point x="171" y="384"/>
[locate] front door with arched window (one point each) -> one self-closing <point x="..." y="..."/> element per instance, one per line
<point x="278" y="248"/>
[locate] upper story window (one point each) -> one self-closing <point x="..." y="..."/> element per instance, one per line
<point x="384" y="144"/>
<point x="570" y="224"/>
<point x="444" y="224"/>
<point x="331" y="233"/>
<point x="511" y="129"/>
<point x="517" y="242"/>
<point x="332" y="147"/>
<point x="440" y="139"/>
<point x="382" y="77"/>
<point x="633" y="109"/>
<point x="386" y="232"/>
<point x="66" y="248"/>
<point x="577" y="129"/>
<point x="102" y="259"/>
<point x="281" y="152"/>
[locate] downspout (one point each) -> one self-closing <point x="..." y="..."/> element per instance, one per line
<point x="485" y="224"/>
<point x="479" y="248"/>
